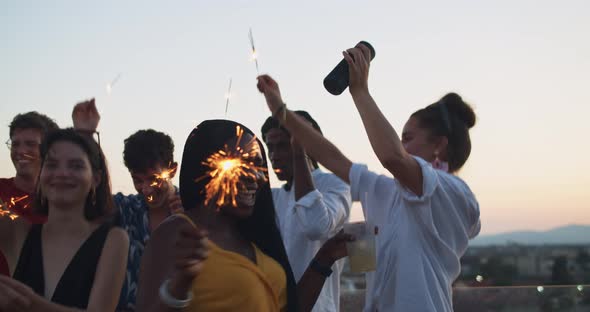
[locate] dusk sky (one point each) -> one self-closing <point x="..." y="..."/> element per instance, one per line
<point x="523" y="65"/>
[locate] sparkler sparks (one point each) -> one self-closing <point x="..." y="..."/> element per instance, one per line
<point x="230" y="166"/>
<point x="5" y="207"/>
<point x="161" y="178"/>
<point x="7" y="213"/>
<point x="15" y="200"/>
<point x="254" y="54"/>
<point x="165" y="175"/>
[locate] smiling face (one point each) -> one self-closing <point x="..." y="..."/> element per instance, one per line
<point x="66" y="176"/>
<point x="24" y="151"/>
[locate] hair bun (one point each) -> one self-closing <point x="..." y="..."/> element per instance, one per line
<point x="461" y="110"/>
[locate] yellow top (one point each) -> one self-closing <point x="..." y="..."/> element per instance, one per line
<point x="229" y="281"/>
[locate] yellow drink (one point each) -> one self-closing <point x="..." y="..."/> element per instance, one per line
<point x="361" y="252"/>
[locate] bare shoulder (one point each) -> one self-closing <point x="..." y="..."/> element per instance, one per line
<point x="117" y="234"/>
<point x="117" y="242"/>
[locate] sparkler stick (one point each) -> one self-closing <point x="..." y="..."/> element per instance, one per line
<point x="254" y="55"/>
<point x="227" y="97"/>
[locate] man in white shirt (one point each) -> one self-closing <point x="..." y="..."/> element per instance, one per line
<point x="311" y="207"/>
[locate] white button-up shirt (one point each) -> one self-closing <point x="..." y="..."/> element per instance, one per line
<point x="420" y="240"/>
<point x="307" y="223"/>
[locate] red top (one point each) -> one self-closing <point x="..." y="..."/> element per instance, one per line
<point x="22" y="205"/>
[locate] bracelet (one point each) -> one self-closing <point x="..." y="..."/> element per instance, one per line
<point x="281" y="110"/>
<point x="325" y="271"/>
<point x="172" y="302"/>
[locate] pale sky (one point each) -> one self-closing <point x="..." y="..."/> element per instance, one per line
<point x="523" y="65"/>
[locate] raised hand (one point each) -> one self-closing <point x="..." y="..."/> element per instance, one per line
<point x="358" y="59"/>
<point x="270" y="88"/>
<point x="334" y="248"/>
<point x="311" y="283"/>
<point x="85" y="116"/>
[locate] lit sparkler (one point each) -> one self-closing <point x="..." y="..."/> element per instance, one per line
<point x="6" y="207"/>
<point x="165" y="175"/>
<point x="228" y="167"/>
<point x="7" y="213"/>
<point x="161" y="178"/>
<point x="254" y="54"/>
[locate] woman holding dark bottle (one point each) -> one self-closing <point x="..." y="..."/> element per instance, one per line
<point x="425" y="213"/>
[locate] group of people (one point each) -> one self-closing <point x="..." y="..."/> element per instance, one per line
<point x="76" y="246"/>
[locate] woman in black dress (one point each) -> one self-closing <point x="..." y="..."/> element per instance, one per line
<point x="75" y="260"/>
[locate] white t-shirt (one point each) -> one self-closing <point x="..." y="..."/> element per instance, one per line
<point x="307" y="223"/>
<point x="420" y="240"/>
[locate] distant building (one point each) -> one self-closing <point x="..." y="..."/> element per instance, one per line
<point x="532" y="263"/>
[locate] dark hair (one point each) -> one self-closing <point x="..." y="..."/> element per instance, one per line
<point x="450" y="117"/>
<point x="145" y="149"/>
<point x="272" y="123"/>
<point x="102" y="204"/>
<point x="32" y="120"/>
<point x="260" y="228"/>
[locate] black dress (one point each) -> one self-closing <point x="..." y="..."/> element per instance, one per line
<point x="73" y="288"/>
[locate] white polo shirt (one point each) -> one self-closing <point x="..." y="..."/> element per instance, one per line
<point x="420" y="240"/>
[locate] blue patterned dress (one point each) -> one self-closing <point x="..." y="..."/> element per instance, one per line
<point x="133" y="217"/>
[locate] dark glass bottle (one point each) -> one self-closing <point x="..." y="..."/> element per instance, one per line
<point x="337" y="80"/>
